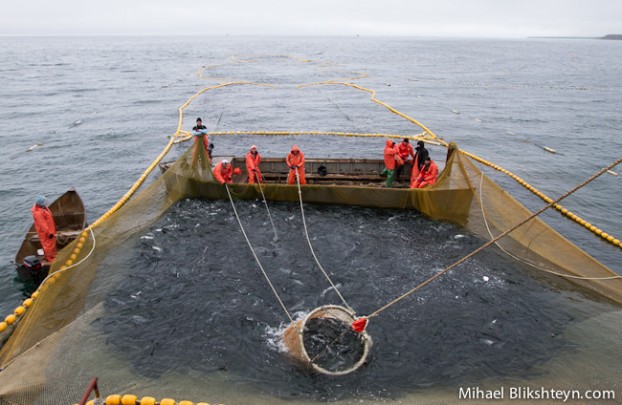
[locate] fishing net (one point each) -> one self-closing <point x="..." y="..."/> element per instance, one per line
<point x="53" y="351"/>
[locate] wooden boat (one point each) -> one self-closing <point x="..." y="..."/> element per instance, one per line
<point x="340" y="181"/>
<point x="70" y="218"/>
<point x="327" y="171"/>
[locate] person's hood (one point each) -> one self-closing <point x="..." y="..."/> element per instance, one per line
<point x="295" y="148"/>
<point x="389" y="143"/>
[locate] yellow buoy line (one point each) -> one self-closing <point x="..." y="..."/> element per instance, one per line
<point x="592" y="228"/>
<point x="129" y="399"/>
<point x="492" y="241"/>
<point x="422" y="136"/>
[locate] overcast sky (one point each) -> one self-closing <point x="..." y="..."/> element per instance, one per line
<point x="452" y="18"/>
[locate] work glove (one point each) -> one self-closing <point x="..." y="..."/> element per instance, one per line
<point x="51" y="236"/>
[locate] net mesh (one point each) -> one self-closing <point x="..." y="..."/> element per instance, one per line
<point x="51" y="355"/>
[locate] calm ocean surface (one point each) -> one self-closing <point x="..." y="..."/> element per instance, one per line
<point x="103" y="107"/>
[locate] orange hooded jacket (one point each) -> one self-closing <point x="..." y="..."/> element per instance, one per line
<point x="252" y="167"/>
<point x="223" y="174"/>
<point x="426" y="177"/>
<point x="46" y="229"/>
<point x="389" y="155"/>
<point x="296" y="161"/>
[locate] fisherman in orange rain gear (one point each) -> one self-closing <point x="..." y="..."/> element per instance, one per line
<point x="427" y="176"/>
<point x="404" y="150"/>
<point x="390" y="152"/>
<point x="253" y="158"/>
<point x="223" y="172"/>
<point x="296" y="162"/>
<point x="45" y="226"/>
<point x="418" y="161"/>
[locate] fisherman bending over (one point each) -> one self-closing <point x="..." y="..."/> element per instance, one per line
<point x="223" y="172"/>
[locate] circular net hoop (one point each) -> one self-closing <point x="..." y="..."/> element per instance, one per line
<point x="293" y="338"/>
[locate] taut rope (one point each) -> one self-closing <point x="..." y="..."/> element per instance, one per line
<point x="276" y="294"/>
<point x="485" y="245"/>
<point x="276" y="237"/>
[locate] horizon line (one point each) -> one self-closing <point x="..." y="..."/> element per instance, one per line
<point x="25" y="35"/>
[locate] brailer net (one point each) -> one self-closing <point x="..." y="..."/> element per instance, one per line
<point x="53" y="351"/>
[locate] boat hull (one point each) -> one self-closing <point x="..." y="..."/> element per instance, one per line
<point x="70" y="218"/>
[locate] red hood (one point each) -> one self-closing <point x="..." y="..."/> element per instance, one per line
<point x="295" y="148"/>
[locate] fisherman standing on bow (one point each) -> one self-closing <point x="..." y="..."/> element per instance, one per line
<point x="296" y="162"/>
<point x="46" y="227"/>
<point x="201" y="130"/>
<point x="253" y="158"/>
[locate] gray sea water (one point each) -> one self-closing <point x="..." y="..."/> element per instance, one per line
<point x="102" y="108"/>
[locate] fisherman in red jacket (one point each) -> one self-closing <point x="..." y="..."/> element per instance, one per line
<point x="296" y="162"/>
<point x="45" y="226"/>
<point x="253" y="158"/>
<point x="390" y="151"/>
<point x="427" y="176"/>
<point x="223" y="172"/>
<point x="404" y="151"/>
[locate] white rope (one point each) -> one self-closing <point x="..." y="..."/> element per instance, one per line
<point x="304" y="223"/>
<point x="81" y="261"/>
<point x="276" y="294"/>
<point x="276" y="238"/>
<point x="481" y="201"/>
